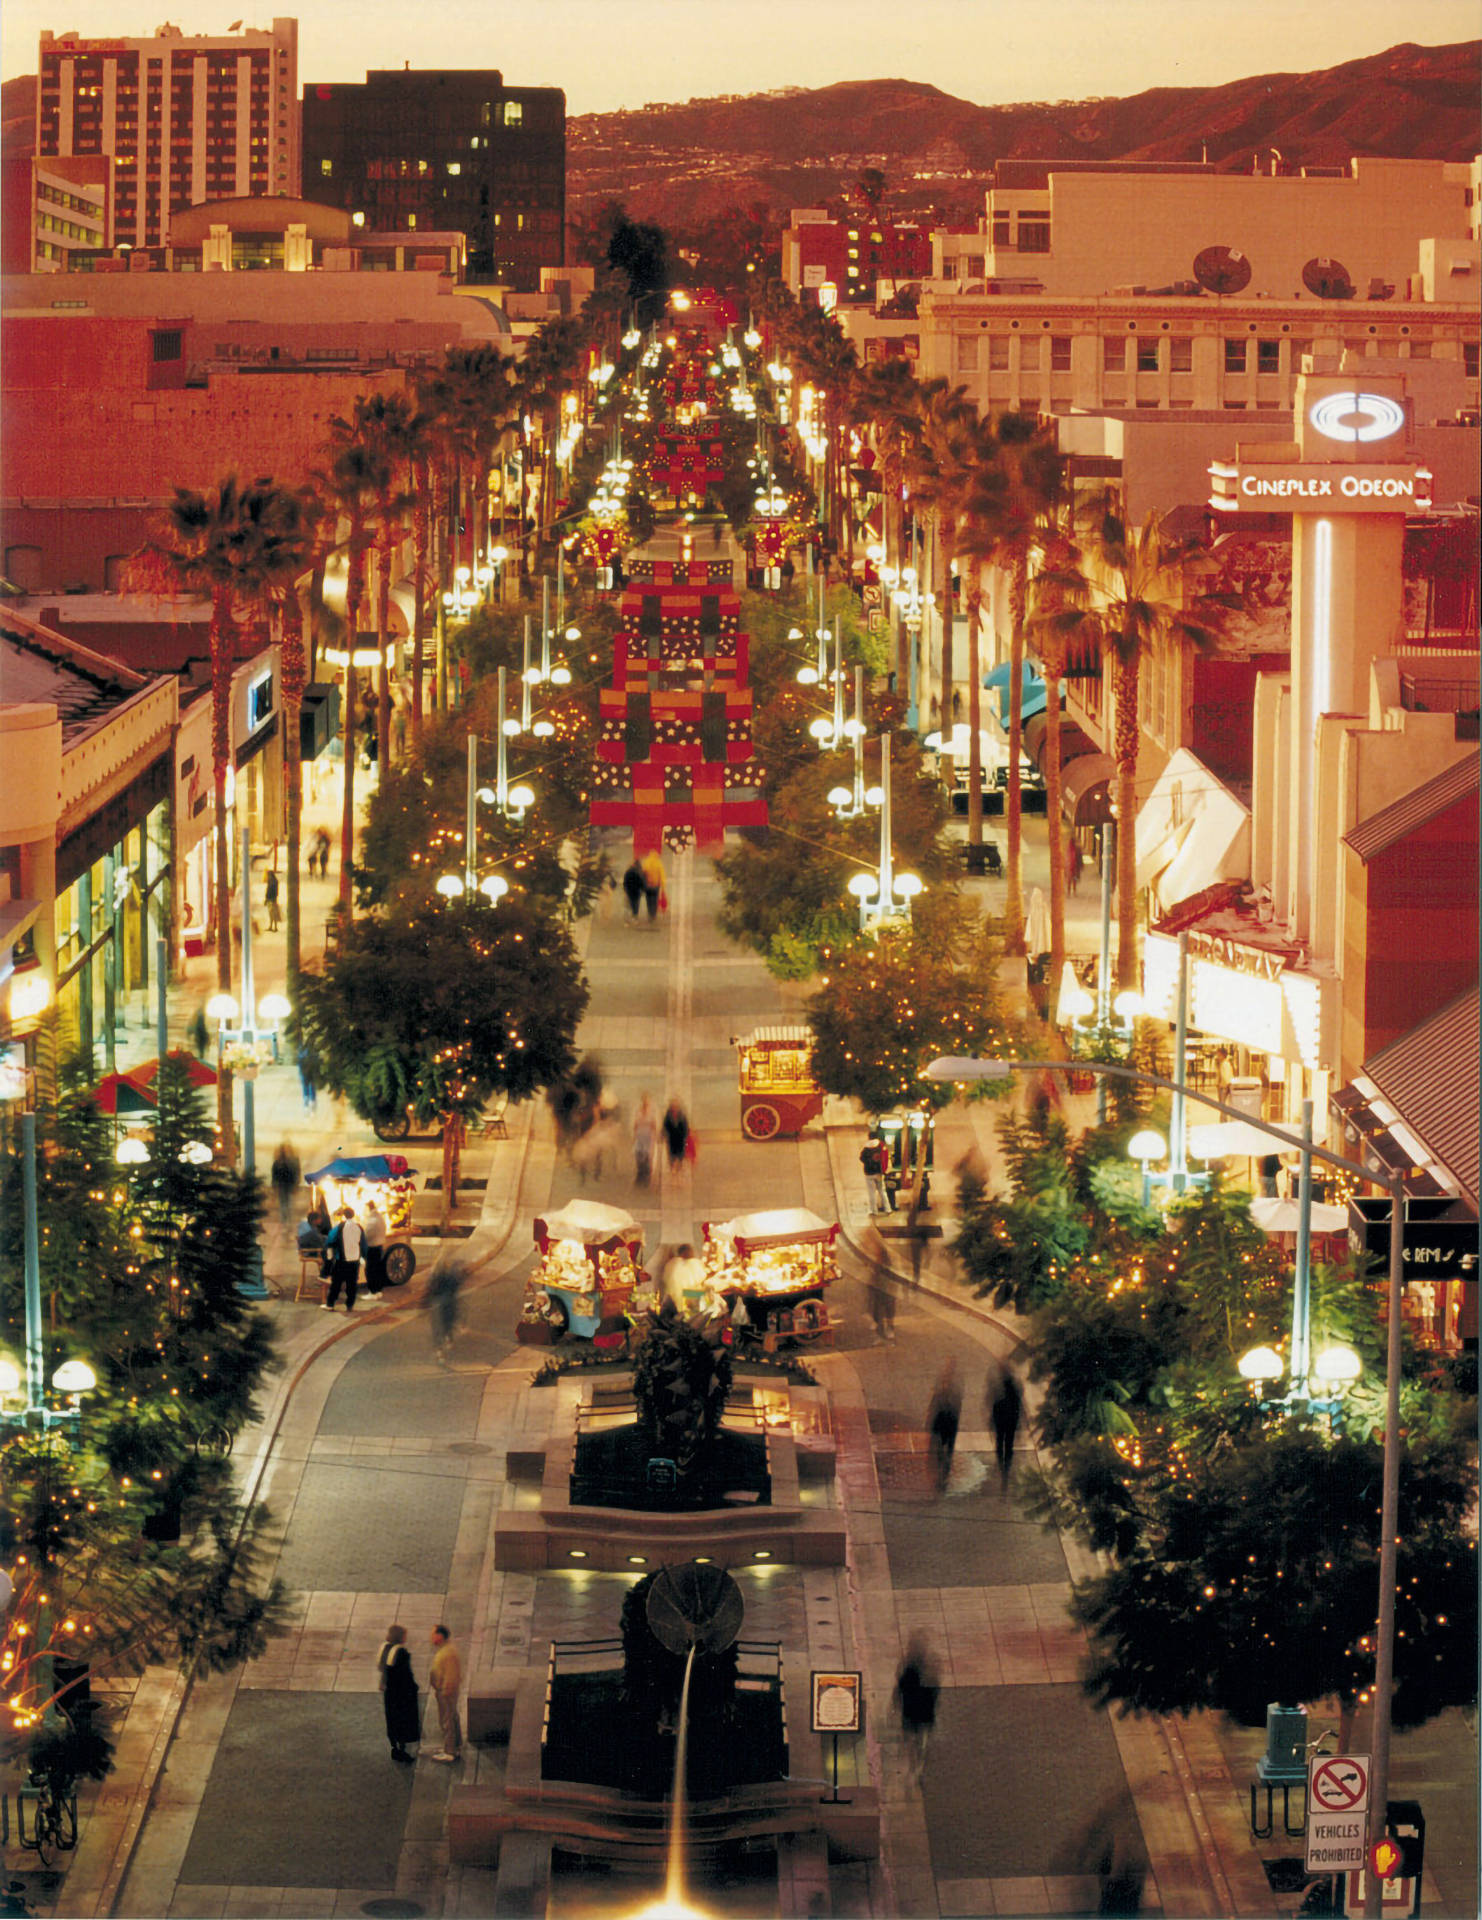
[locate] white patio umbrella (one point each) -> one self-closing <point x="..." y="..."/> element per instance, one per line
<point x="1037" y="925"/>
<point x="1231" y="1139"/>
<point x="1284" y="1216"/>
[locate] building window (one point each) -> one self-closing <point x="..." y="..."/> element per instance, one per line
<point x="1034" y="233"/>
<point x="1471" y="356"/>
<point x="1147" y="356"/>
<point x="1060" y="353"/>
<point x="1268" y="356"/>
<point x="1180" y="354"/>
<point x="967" y="353"/>
<point x="514" y="112"/>
<point x="167" y="344"/>
<point x="1113" y="354"/>
<point x="1234" y="356"/>
<point x="998" y="353"/>
<point x="1001" y="231"/>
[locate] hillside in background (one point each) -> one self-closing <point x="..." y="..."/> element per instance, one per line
<point x="799" y="148"/>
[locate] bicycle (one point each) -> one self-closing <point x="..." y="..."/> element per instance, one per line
<point x="215" y="1441"/>
<point x="53" y="1818"/>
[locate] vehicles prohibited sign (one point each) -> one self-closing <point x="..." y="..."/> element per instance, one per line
<point x="1337" y="1809"/>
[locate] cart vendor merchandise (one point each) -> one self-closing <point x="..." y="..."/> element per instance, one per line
<point x="779" y="1095"/>
<point x="590" y="1264"/>
<point x="354" y="1181"/>
<point x="773" y="1268"/>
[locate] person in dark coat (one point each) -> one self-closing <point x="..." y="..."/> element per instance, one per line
<point x="270" y="901"/>
<point x="1004" y="1408"/>
<point x="942" y="1421"/>
<point x="285" y="1179"/>
<point x="916" y="1692"/>
<point x="399" y="1693"/>
<point x="633" y="888"/>
<point x="676" y="1126"/>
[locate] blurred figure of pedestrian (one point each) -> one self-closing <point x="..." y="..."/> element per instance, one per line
<point x="444" y="1303"/>
<point x="1074" y="861"/>
<point x="633" y="888"/>
<point x="676" y="1135"/>
<point x="653" y="883"/>
<point x="943" y="1418"/>
<point x="916" y="1691"/>
<point x="645" y="1139"/>
<point x="917" y="1229"/>
<point x="306" y="1080"/>
<point x="374" y="1224"/>
<point x="285" y="1178"/>
<point x="270" y="900"/>
<point x="882" y="1308"/>
<point x="1005" y="1406"/>
<point x="684" y="1274"/>
<point x="872" y="1159"/>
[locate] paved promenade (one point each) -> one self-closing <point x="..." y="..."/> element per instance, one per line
<point x="269" y="1791"/>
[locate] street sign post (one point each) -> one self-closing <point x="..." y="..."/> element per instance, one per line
<point x="1337" y="1810"/>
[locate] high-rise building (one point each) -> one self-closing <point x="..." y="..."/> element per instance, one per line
<point x="183" y="119"/>
<point x="447" y="150"/>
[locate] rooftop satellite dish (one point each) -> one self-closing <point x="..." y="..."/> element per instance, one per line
<point x="1221" y="270"/>
<point x="1328" y="279"/>
<point x="695" y="1605"/>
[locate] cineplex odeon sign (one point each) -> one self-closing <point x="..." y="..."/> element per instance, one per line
<point x="1351" y="419"/>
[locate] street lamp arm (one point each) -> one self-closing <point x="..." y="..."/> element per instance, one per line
<point x="952" y="1069"/>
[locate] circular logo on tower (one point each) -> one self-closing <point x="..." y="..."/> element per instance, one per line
<point x="1356" y="416"/>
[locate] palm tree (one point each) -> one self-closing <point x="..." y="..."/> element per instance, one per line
<point x="1051" y="625"/>
<point x="1130" y="594"/>
<point x="293" y="676"/>
<point x="1020" y="500"/>
<point x="927" y="467"/>
<point x="239" y="546"/>
<point x="888" y="399"/>
<point x="384" y="424"/>
<point x="353" y="485"/>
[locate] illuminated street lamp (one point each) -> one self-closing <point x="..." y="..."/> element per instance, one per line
<point x="1146" y="1147"/>
<point x="849" y="802"/>
<point x="885" y="896"/>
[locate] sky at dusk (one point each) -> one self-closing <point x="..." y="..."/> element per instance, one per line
<point x="622" y="53"/>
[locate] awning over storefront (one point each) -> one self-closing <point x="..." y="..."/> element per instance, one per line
<point x="1191" y="832"/>
<point x="996" y="680"/>
<point x="1413" y="1107"/>
<point x="1086" y="789"/>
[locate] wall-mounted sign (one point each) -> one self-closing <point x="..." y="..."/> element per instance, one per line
<point x="1434" y="1249"/>
<point x="1356" y="416"/>
<point x="1281" y="486"/>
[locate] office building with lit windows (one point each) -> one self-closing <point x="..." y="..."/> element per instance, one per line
<point x="182" y="118"/>
<point x="454" y="150"/>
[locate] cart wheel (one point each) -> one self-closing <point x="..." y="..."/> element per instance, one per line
<point x="392" y="1126"/>
<point x="761" y="1122"/>
<point x="401" y="1264"/>
<point x="560" y="1318"/>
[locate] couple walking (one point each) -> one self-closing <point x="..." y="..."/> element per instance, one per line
<point x="679" y="1140"/>
<point x="643" y="883"/>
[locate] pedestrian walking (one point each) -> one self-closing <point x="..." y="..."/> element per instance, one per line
<point x="872" y="1159"/>
<point x="917" y="1229"/>
<point x="916" y="1691"/>
<point x="633" y="888"/>
<point x="942" y="1421"/>
<point x="270" y="900"/>
<point x="685" y="1273"/>
<point x="676" y="1135"/>
<point x="645" y="1139"/>
<point x="285" y="1178"/>
<point x="375" y="1229"/>
<point x="653" y="884"/>
<point x="1073" y="864"/>
<point x="882" y="1308"/>
<point x="444" y="1302"/>
<point x="399" y="1693"/>
<point x="1005" y="1405"/>
<point x="321" y="847"/>
<point x="306" y="1080"/>
<point x="445" y="1676"/>
<point x="346" y="1243"/>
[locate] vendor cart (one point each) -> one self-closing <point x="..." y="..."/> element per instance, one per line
<point x="779" y="1095"/>
<point x="354" y="1181"/>
<point x="776" y="1265"/>
<point x="590" y="1264"/>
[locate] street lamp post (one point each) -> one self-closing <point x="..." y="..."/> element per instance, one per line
<point x="961" y="1069"/>
<point x="885" y="895"/>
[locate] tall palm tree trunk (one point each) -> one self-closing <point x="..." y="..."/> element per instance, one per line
<point x="1014" y="794"/>
<point x="291" y="677"/>
<point x="1129" y="662"/>
<point x="222" y="662"/>
<point x="948" y="613"/>
<point x="421" y="540"/>
<point x="974" y="599"/>
<point x="383" y="647"/>
<point x="1052" y="665"/>
<point x="354" y="587"/>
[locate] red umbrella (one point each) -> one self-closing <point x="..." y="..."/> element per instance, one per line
<point x="200" y="1075"/>
<point x="120" y="1093"/>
